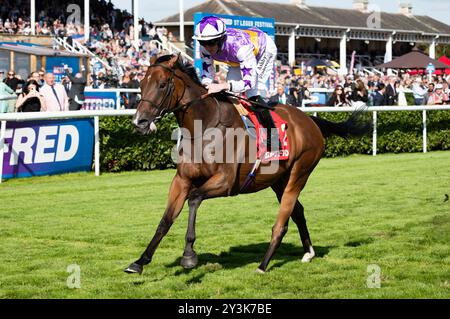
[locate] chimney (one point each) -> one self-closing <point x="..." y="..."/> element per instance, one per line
<point x="361" y="5"/>
<point x="299" y="3"/>
<point x="406" y="9"/>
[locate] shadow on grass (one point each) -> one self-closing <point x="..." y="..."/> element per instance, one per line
<point x="239" y="256"/>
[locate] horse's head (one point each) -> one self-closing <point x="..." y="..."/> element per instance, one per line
<point x="161" y="91"/>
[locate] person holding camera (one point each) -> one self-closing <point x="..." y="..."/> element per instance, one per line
<point x="76" y="88"/>
<point x="360" y="93"/>
<point x="30" y="100"/>
<point x="338" y="97"/>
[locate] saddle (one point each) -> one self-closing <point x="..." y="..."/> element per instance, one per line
<point x="259" y="121"/>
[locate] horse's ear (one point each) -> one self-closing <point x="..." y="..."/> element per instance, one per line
<point x="174" y="60"/>
<point x="153" y="59"/>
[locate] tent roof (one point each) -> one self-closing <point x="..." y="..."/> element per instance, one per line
<point x="413" y="60"/>
<point x="445" y="60"/>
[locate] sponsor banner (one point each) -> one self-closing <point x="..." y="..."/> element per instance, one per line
<point x="99" y="100"/>
<point x="34" y="148"/>
<point x="55" y="65"/>
<point x="319" y="98"/>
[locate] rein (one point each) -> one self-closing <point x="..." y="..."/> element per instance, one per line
<point x="169" y="92"/>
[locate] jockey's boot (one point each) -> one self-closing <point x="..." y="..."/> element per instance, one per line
<point x="265" y="118"/>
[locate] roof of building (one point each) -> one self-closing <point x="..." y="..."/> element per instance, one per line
<point x="37" y="50"/>
<point x="311" y="15"/>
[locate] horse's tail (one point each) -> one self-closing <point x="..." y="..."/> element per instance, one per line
<point x="354" y="126"/>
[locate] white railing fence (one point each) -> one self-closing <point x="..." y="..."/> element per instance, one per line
<point x="78" y="48"/>
<point x="5" y="117"/>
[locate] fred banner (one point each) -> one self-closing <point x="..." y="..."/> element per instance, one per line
<point x="34" y="148"/>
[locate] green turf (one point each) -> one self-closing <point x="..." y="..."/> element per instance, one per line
<point x="389" y="211"/>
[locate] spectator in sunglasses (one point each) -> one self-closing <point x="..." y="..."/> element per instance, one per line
<point x="13" y="81"/>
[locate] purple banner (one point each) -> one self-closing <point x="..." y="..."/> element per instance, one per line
<point x="35" y="148"/>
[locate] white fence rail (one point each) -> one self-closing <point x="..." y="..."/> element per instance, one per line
<point x="376" y="109"/>
<point x="5" y="117"/>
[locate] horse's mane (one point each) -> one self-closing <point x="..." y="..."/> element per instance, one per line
<point x="183" y="65"/>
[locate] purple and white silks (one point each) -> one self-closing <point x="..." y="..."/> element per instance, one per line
<point x="247" y="72"/>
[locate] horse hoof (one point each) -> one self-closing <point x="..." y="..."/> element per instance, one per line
<point x="307" y="257"/>
<point x="260" y="271"/>
<point x="188" y="262"/>
<point x="134" y="269"/>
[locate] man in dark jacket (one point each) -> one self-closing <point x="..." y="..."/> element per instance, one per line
<point x="134" y="83"/>
<point x="379" y="98"/>
<point x="391" y="94"/>
<point x="13" y="81"/>
<point x="76" y="90"/>
<point x="281" y="97"/>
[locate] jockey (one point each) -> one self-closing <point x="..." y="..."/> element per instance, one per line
<point x="251" y="56"/>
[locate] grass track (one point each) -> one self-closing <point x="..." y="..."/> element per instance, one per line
<point x="389" y="211"/>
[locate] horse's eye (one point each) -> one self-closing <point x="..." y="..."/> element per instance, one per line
<point x="162" y="85"/>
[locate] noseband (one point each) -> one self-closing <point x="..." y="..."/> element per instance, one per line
<point x="167" y="94"/>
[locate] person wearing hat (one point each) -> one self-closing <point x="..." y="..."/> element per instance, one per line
<point x="251" y="55"/>
<point x="438" y="97"/>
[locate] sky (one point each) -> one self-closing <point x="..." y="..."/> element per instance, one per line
<point x="154" y="10"/>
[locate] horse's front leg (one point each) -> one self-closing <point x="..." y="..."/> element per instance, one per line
<point x="190" y="259"/>
<point x="178" y="193"/>
<point x="216" y="186"/>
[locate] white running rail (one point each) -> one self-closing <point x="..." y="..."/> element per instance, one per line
<point x="97" y="113"/>
<point x="79" y="48"/>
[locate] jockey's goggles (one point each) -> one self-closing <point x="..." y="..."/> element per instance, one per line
<point x="209" y="43"/>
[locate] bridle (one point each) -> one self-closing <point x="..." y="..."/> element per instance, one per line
<point x="168" y="95"/>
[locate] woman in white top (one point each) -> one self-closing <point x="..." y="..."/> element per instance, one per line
<point x="401" y="94"/>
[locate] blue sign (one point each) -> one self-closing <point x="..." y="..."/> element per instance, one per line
<point x="431" y="68"/>
<point x="99" y="100"/>
<point x="237" y="22"/>
<point x="55" y="65"/>
<point x="34" y="148"/>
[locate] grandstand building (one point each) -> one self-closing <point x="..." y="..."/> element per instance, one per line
<point x="304" y="31"/>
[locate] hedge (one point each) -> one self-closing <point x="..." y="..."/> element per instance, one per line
<point x="398" y="132"/>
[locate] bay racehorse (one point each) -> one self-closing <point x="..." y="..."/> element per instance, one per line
<point x="172" y="86"/>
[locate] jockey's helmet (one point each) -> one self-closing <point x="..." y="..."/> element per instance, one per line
<point x="210" y="28"/>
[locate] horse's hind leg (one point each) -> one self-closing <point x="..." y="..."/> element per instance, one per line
<point x="298" y="217"/>
<point x="177" y="196"/>
<point x="281" y="226"/>
<point x="297" y="180"/>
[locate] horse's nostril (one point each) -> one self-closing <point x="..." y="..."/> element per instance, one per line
<point x="143" y="123"/>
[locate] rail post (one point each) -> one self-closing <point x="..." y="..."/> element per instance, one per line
<point x="96" y="146"/>
<point x="374" y="134"/>
<point x="424" y="121"/>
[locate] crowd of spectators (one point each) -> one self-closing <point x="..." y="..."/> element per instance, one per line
<point x="40" y="92"/>
<point x="111" y="36"/>
<point x="373" y="90"/>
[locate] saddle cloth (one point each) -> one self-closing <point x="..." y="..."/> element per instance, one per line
<point x="261" y="136"/>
